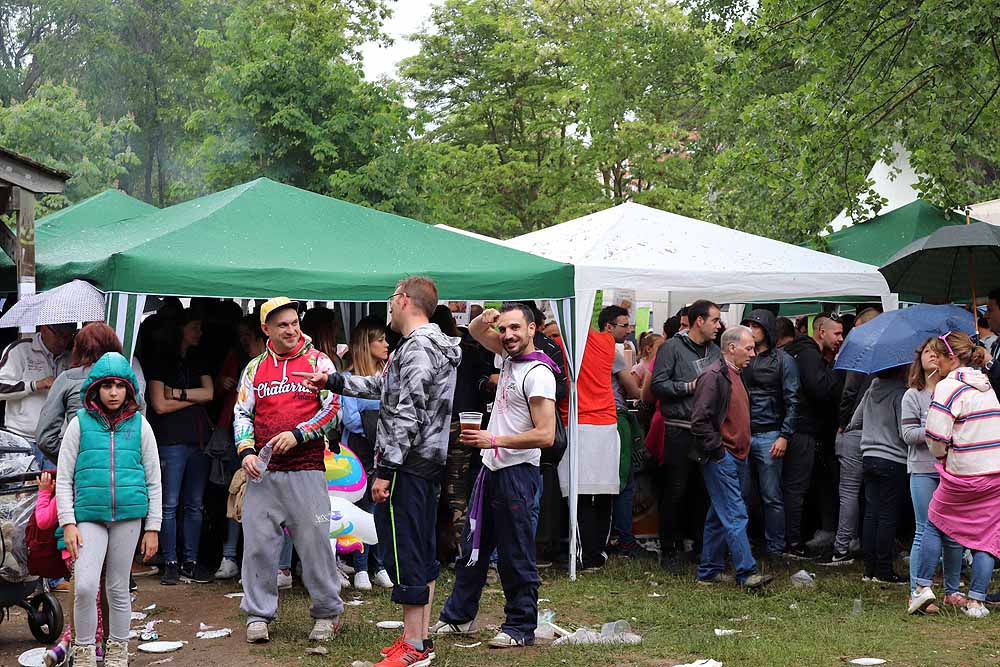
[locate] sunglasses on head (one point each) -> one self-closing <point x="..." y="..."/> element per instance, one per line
<point x="944" y="339"/>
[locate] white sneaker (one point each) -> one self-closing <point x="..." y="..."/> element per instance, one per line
<point x="228" y="569"/>
<point x="919" y="601"/>
<point x="362" y="581"/>
<point x="976" y="610"/>
<point x="442" y="628"/>
<point x="84" y="656"/>
<point x="116" y="654"/>
<point x="257" y="633"/>
<point x="284" y="581"/>
<point x="503" y="640"/>
<point x="382" y="579"/>
<point x="323" y="629"/>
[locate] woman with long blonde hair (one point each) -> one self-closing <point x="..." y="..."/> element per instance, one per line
<point x="369" y="353"/>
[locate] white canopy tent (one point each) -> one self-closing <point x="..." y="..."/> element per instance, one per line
<point x="668" y="257"/>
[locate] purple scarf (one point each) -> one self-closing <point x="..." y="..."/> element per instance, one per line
<point x="538" y="355"/>
<point x="476" y="515"/>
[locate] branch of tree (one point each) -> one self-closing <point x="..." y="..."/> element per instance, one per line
<point x="982" y="107"/>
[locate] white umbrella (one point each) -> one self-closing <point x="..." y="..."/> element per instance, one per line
<point x="77" y="301"/>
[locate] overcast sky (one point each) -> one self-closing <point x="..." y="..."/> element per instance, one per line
<point x="407" y="17"/>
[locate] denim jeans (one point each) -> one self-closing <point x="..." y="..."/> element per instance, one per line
<point x="369" y="560"/>
<point x="233" y="530"/>
<point x="621" y="516"/>
<point x="922" y="487"/>
<point x="885" y="484"/>
<point x="851" y="477"/>
<point x="726" y="523"/>
<point x="285" y="557"/>
<point x="930" y="552"/>
<point x="769" y="486"/>
<point x="43" y="461"/>
<point x="184" y="473"/>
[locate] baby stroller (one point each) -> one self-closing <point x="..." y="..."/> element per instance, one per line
<point x="17" y="503"/>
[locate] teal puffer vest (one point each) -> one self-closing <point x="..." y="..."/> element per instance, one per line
<point x="109" y="478"/>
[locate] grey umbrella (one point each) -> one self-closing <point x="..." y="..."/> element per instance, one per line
<point x="77" y="301"/>
<point x="951" y="265"/>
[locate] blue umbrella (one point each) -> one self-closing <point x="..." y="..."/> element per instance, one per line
<point x="892" y="338"/>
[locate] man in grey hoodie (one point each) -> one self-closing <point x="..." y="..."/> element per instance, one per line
<point x="416" y="392"/>
<point x="678" y="364"/>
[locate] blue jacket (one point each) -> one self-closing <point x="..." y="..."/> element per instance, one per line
<point x="110" y="480"/>
<point x="350" y="414"/>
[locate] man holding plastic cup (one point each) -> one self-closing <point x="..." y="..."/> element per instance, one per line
<point x="522" y="422"/>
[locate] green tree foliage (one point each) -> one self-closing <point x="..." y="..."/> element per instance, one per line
<point x="286" y="98"/>
<point x="806" y="94"/>
<point x="57" y="128"/>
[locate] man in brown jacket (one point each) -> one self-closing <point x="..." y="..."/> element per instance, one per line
<point x="720" y="422"/>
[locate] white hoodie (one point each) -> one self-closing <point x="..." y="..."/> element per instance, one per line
<point x="23" y="363"/>
<point x="963" y="424"/>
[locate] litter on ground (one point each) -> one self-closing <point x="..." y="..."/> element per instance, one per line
<point x="469" y="645"/>
<point x="214" y="634"/>
<point x="317" y="650"/>
<point x="720" y="632"/>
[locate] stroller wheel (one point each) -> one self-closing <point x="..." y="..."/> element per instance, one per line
<point x="45" y="618"/>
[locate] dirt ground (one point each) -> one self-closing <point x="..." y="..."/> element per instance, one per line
<point x="187" y="604"/>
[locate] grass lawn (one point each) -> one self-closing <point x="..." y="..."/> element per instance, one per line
<point x="782" y="626"/>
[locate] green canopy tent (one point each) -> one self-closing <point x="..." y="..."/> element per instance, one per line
<point x="264" y="238"/>
<point x="877" y="239"/>
<point x="63" y="233"/>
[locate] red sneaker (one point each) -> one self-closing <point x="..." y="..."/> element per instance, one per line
<point x="428" y="647"/>
<point x="405" y="655"/>
<point x="386" y="650"/>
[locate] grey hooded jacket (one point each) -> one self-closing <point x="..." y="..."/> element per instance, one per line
<point x="416" y="392"/>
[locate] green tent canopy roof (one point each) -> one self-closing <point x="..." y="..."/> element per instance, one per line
<point x="876" y="240"/>
<point x="64" y="233"/>
<point x="264" y="238"/>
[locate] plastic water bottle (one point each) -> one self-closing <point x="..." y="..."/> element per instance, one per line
<point x="856" y="611"/>
<point x="263" y="458"/>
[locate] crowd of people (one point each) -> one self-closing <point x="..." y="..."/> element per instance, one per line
<point x="206" y="453"/>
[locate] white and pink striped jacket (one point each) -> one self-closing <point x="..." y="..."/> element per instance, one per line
<point x="963" y="424"/>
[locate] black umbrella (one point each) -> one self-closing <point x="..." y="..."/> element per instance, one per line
<point x="951" y="265"/>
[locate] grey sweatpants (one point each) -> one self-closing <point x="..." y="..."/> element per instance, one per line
<point x="299" y="500"/>
<point x="108" y="547"/>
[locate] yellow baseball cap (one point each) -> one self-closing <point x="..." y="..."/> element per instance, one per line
<point x="277" y="303"/>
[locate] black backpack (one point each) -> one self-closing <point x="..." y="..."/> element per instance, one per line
<point x="554" y="454"/>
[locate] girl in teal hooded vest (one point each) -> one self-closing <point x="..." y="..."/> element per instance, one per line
<point x="108" y="482"/>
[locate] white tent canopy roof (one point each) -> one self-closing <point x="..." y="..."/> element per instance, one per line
<point x="987" y="211"/>
<point x="669" y="257"/>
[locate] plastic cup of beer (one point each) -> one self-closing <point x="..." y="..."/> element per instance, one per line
<point x="470" y="421"/>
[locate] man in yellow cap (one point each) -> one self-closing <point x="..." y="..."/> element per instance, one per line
<point x="280" y="417"/>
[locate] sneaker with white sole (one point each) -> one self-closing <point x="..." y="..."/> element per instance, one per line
<point x="116" y="654"/>
<point x="257" y="633"/>
<point x="503" y="640"/>
<point x="976" y="609"/>
<point x="442" y="628"/>
<point x="324" y="629"/>
<point x="382" y="579"/>
<point x="228" y="569"/>
<point x="920" y="601"/>
<point x="284" y="581"/>
<point x="362" y="581"/>
<point x="84" y="656"/>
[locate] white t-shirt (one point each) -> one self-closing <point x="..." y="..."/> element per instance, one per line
<point x="511" y="414"/>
